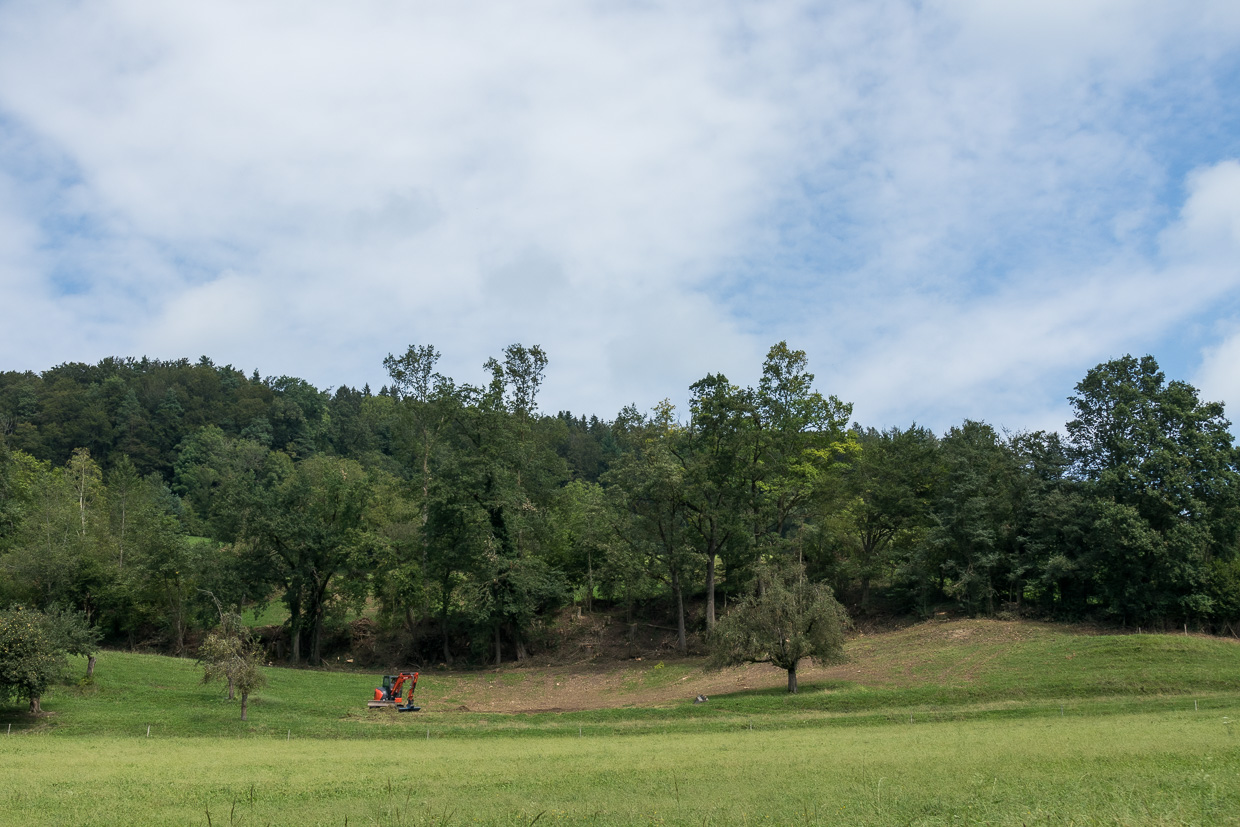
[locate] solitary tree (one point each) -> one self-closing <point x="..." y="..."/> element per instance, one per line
<point x="231" y="654"/>
<point x="782" y="619"/>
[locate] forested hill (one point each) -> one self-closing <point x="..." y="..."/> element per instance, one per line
<point x="148" y="494"/>
<point x="144" y="409"/>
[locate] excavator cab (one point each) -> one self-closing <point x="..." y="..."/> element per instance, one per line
<point x="384" y="693"/>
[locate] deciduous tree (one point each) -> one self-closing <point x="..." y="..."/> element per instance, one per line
<point x="33" y="650"/>
<point x="231" y="654"/>
<point x="783" y="619"/>
<point x="1160" y="467"/>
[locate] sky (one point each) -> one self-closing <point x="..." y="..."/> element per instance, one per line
<point x="956" y="208"/>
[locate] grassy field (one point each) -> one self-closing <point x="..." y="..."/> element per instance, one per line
<point x="963" y="723"/>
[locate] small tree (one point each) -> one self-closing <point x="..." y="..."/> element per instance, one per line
<point x="230" y="653"/>
<point x="28" y="661"/>
<point x="34" y="648"/>
<point x="782" y="619"/>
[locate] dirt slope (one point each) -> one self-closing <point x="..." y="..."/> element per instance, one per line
<point x="888" y="658"/>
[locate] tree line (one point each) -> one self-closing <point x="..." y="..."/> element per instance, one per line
<point x="145" y="495"/>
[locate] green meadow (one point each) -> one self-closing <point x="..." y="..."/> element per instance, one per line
<point x="1007" y="724"/>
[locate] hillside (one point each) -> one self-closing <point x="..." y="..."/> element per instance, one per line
<point x="954" y="668"/>
<point x="959" y="659"/>
<point x="958" y="722"/>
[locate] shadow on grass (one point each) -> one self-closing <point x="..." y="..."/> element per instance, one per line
<point x="16" y="720"/>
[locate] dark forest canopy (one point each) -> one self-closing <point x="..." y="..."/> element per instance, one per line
<point x="460" y="518"/>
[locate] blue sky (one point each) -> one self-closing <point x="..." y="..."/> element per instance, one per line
<point x="955" y="207"/>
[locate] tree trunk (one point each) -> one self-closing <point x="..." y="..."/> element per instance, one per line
<point x="792" y="680"/>
<point x="90" y="666"/>
<point x="682" y="644"/>
<point x="710" y="591"/>
<point x="589" y="581"/>
<point x="498" y="650"/>
<point x="178" y="632"/>
<point x="245" y="704"/>
<point x="446" y="597"/>
<point x="35" y="707"/>
<point x="316" y="637"/>
<point x="294" y="630"/>
<point x="519" y="643"/>
<point x="230" y="687"/>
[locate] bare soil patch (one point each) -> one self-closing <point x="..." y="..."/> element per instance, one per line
<point x="885" y="658"/>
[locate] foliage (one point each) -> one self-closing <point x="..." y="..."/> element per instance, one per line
<point x="782" y="620"/>
<point x="70" y="632"/>
<point x="973" y="535"/>
<point x="1160" y="470"/>
<point x="33" y="650"/>
<point x="800" y="441"/>
<point x="887" y="494"/>
<point x="462" y="517"/>
<point x="230" y="653"/>
<point x="29" y="660"/>
<point x="715" y="450"/>
<point x="646" y="487"/>
<point x="306" y="530"/>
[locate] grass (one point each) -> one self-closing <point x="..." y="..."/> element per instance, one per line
<point x="1164" y="768"/>
<point x="273" y="614"/>
<point x="946" y="724"/>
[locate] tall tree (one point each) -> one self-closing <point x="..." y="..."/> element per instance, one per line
<point x="488" y="504"/>
<point x="517" y="474"/>
<point x="307" y="527"/>
<point x="585" y="541"/>
<point x="974" y="540"/>
<point x="1054" y="524"/>
<point x="713" y="451"/>
<point x="888" y="486"/>
<point x="800" y="435"/>
<point x="1161" y="468"/>
<point x="58" y="553"/>
<point x="647" y="490"/>
<point x="426" y="402"/>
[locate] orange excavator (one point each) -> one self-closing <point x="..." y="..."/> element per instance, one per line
<point x="389" y="695"/>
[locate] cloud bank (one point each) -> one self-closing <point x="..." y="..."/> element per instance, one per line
<point x="955" y="207"/>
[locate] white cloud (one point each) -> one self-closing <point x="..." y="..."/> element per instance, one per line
<point x="1218" y="379"/>
<point x="946" y="203"/>
<point x="1209" y="230"/>
<point x="998" y="348"/>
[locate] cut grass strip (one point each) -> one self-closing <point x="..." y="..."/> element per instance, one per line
<point x="1153" y="768"/>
